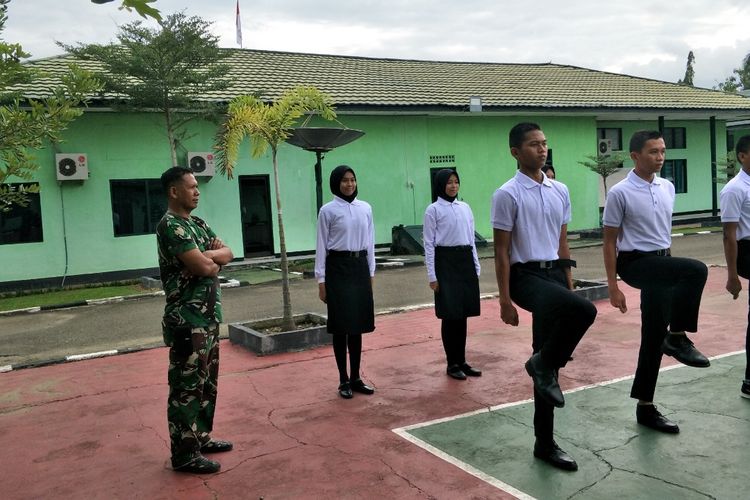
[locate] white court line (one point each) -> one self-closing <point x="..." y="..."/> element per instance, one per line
<point x="404" y="431"/>
<point x="90" y="355"/>
<point x="464" y="466"/>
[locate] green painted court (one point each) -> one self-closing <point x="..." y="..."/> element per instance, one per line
<point x="617" y="458"/>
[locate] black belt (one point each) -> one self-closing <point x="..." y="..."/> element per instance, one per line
<point x="460" y="248"/>
<point x="546" y="264"/>
<point x="347" y="253"/>
<point x="659" y="253"/>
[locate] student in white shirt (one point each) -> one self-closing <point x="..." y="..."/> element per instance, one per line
<point x="637" y="234"/>
<point x="344" y="268"/>
<point x="530" y="215"/>
<point x="735" y="217"/>
<point x="452" y="269"/>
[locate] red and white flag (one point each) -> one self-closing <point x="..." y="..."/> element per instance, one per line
<point x="239" y="25"/>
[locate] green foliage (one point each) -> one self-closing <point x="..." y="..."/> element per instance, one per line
<point x="169" y="69"/>
<point x="139" y="6"/>
<point x="604" y="165"/>
<point x="740" y="78"/>
<point x="689" y="71"/>
<point x="726" y="168"/>
<point x="267" y="125"/>
<point x="27" y="124"/>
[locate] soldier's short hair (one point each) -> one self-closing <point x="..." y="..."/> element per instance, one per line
<point x="172" y="176"/>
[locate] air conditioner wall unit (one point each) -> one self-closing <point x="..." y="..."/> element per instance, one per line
<point x="71" y="166"/>
<point x="202" y="163"/>
<point x="605" y="147"/>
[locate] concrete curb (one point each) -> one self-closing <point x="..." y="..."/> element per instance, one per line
<point x="75" y="357"/>
<point x="90" y="302"/>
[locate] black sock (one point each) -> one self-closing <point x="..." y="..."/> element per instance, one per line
<point x="355" y="354"/>
<point x="339" y="351"/>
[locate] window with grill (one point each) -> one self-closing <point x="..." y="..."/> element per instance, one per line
<point x="22" y="224"/>
<point x="137" y="206"/>
<point x="675" y="137"/>
<point x="613" y="134"/>
<point x="676" y="171"/>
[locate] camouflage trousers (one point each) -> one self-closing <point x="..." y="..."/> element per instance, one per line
<point x="193" y="378"/>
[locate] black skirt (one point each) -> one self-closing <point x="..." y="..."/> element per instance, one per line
<point x="349" y="294"/>
<point x="458" y="285"/>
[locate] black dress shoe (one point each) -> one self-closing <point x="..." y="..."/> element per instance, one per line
<point x="200" y="465"/>
<point x="345" y="390"/>
<point x="649" y="416"/>
<point x="359" y="386"/>
<point x="682" y="349"/>
<point x="469" y="371"/>
<point x="553" y="455"/>
<point x="455" y="371"/>
<point x="216" y="446"/>
<point x="545" y="381"/>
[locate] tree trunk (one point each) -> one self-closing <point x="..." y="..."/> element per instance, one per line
<point x="287" y="321"/>
<point x="170" y="137"/>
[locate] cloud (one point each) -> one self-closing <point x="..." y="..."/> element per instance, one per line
<point x="637" y="37"/>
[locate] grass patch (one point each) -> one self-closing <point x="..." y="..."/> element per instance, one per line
<point x="254" y="275"/>
<point x="56" y="297"/>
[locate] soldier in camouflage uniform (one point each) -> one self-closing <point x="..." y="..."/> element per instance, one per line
<point x="190" y="257"/>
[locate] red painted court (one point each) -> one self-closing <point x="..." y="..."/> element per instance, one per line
<point x="97" y="428"/>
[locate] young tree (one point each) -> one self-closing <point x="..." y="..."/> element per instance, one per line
<point x="268" y="126"/>
<point x="740" y="78"/>
<point x="727" y="168"/>
<point x="167" y="69"/>
<point x="604" y="165"/>
<point x="689" y="71"/>
<point x="30" y="123"/>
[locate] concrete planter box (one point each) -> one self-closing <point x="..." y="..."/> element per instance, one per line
<point x="591" y="290"/>
<point x="248" y="335"/>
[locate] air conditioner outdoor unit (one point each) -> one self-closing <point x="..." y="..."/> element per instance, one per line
<point x="71" y="166"/>
<point x="203" y="164"/>
<point x="605" y="147"/>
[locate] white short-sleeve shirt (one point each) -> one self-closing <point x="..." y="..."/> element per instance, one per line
<point x="447" y="224"/>
<point x="347" y="227"/>
<point x="534" y="213"/>
<point x="643" y="210"/>
<point x="734" y="201"/>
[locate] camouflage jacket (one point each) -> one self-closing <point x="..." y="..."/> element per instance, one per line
<point x="187" y="297"/>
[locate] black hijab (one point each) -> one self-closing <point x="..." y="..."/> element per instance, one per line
<point x="336" y="175"/>
<point x="441" y="180"/>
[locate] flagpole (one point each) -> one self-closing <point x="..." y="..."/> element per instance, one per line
<point x="238" y="24"/>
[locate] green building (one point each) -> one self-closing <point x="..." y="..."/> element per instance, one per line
<point x="417" y="116"/>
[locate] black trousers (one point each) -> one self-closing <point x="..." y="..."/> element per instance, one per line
<point x="559" y="320"/>
<point x="671" y="290"/>
<point x="743" y="269"/>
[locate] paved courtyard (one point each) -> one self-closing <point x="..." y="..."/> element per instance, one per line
<point x="97" y="428"/>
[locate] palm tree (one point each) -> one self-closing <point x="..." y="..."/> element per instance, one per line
<point x="268" y="125"/>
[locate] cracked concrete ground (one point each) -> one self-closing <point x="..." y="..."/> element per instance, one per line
<point x="97" y="428"/>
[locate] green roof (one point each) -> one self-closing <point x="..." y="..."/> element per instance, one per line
<point x="361" y="83"/>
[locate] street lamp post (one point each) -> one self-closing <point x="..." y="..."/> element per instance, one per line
<point x="320" y="140"/>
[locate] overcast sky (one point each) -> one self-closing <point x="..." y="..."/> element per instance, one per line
<point x="635" y="37"/>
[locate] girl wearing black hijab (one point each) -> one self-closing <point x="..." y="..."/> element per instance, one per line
<point x="452" y="269"/>
<point x="344" y="268"/>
